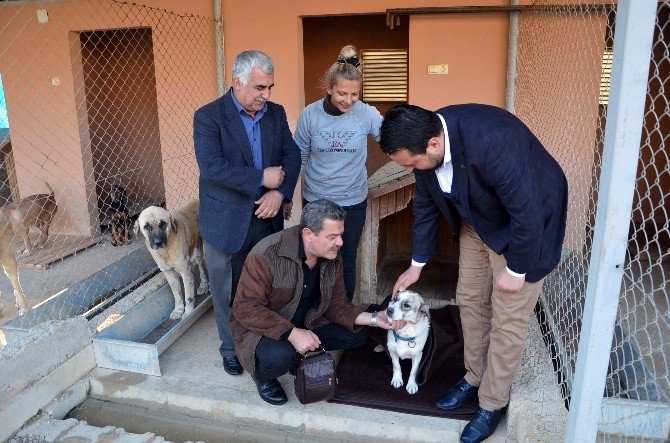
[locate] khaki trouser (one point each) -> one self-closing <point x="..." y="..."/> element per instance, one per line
<point x="495" y="323"/>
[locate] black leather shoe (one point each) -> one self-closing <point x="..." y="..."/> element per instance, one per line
<point x="271" y="391"/>
<point x="232" y="365"/>
<point x="456" y="396"/>
<point x="481" y="427"/>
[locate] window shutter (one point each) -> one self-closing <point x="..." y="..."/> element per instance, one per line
<point x="605" y="76"/>
<point x="385" y="75"/>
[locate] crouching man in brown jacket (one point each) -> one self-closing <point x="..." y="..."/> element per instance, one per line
<point x="291" y="299"/>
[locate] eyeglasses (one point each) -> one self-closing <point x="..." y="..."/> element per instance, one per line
<point x="353" y="61"/>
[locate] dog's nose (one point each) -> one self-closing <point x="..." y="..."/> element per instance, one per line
<point x="389" y="312"/>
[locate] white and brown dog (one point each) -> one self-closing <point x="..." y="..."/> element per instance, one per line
<point x="408" y="341"/>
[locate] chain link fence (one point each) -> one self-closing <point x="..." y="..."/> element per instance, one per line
<point x="639" y="372"/>
<point x="562" y="91"/>
<point x="99" y="98"/>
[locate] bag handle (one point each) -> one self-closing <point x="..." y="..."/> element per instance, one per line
<point x="313" y="353"/>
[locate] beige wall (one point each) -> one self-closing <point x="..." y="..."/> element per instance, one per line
<point x="475" y="48"/>
<point x="258" y="24"/>
<point x="45" y="120"/>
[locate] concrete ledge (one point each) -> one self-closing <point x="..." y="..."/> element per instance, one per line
<point x="28" y="358"/>
<point x="27" y="403"/>
<point x="59" y="407"/>
<point x="536" y="410"/>
<point x="194" y="384"/>
<point x="347" y="422"/>
<point x="47" y="429"/>
<point x="38" y="367"/>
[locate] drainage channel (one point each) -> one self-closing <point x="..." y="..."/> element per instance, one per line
<point x="177" y="427"/>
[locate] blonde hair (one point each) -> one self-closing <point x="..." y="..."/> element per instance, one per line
<point x="344" y="67"/>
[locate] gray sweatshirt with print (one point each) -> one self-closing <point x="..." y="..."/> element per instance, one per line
<point x="334" y="151"/>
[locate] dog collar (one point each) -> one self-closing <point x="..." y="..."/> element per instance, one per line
<point x="411" y="340"/>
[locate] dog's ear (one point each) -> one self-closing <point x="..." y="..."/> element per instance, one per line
<point x="424" y="309"/>
<point x="174" y="224"/>
<point x="136" y="227"/>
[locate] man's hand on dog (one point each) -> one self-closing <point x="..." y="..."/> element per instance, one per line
<point x="365" y="319"/>
<point x="386" y="323"/>
<point x="269" y="204"/>
<point x="406" y="279"/>
<point x="304" y="340"/>
<point x="273" y="176"/>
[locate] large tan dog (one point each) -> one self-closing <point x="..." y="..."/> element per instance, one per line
<point x="8" y="260"/>
<point x="173" y="239"/>
<point x="35" y="210"/>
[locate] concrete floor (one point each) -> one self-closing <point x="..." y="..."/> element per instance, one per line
<point x="193" y="384"/>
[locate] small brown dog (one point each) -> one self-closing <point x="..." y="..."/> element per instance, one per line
<point x="118" y="212"/>
<point x="35" y="210"/>
<point x="8" y="261"/>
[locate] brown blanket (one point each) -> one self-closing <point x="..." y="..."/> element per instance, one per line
<point x="365" y="376"/>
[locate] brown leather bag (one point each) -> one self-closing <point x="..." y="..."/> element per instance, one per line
<point x="315" y="378"/>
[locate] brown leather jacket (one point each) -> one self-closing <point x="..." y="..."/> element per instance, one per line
<point x="269" y="291"/>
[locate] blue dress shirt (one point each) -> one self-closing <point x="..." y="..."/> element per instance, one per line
<point x="252" y="126"/>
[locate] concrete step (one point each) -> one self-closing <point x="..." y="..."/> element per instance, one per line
<point x="193" y="383"/>
<point x="46" y="430"/>
<point x="179" y="427"/>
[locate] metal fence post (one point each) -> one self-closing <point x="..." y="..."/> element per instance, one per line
<point x="632" y="50"/>
<point x="218" y="45"/>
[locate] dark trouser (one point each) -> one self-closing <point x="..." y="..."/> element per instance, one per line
<point x="353" y="228"/>
<point x="351" y="238"/>
<point x="258" y="230"/>
<point x="274" y="358"/>
<point x="224" y="273"/>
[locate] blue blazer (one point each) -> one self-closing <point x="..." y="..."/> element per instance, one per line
<point x="513" y="189"/>
<point x="228" y="180"/>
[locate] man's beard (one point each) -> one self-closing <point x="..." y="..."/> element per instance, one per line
<point x="438" y="163"/>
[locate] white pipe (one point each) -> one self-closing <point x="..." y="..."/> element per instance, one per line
<point x="218" y="45"/>
<point x="512" y="54"/>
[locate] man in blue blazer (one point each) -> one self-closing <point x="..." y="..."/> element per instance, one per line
<point x="249" y="166"/>
<point x="505" y="196"/>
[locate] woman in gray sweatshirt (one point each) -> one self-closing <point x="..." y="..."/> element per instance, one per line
<point x="332" y="135"/>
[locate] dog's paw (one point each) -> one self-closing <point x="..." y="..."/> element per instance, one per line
<point x="203" y="289"/>
<point x="177" y="313"/>
<point x="412" y="387"/>
<point x="23" y="253"/>
<point x="379" y="348"/>
<point x="396" y="382"/>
